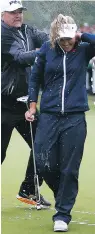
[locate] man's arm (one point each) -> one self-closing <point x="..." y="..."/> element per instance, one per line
<point x="39" y="37"/>
<point x="16" y="52"/>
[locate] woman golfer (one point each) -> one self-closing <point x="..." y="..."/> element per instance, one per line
<point x="61" y="131"/>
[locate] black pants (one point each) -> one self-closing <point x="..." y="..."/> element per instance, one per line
<point x="59" y="152"/>
<point x="14" y="118"/>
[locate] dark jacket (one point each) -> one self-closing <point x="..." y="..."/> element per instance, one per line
<point x="64" y="76"/>
<point x="17" y="56"/>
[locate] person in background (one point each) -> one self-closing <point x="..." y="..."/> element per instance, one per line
<point x="19" y="44"/>
<point x="93" y="75"/>
<point x="90" y="77"/>
<point x="85" y="28"/>
<point x="61" y="130"/>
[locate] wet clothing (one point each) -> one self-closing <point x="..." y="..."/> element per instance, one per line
<point x="61" y="131"/>
<point x="64" y="76"/>
<point x="59" y="145"/>
<point x="17" y="56"/>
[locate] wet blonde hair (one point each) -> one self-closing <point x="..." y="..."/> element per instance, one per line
<point x="56" y="25"/>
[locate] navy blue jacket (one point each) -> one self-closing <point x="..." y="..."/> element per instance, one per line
<point x="64" y="76"/>
<point x="17" y="55"/>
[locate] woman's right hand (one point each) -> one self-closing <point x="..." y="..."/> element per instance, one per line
<point x="29" y="115"/>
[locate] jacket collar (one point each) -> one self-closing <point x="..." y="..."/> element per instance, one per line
<point x="12" y="28"/>
<point x="60" y="51"/>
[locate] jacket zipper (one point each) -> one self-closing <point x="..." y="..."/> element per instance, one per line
<point x="27" y="38"/>
<point x="64" y="83"/>
<point x="22" y="40"/>
<point x="12" y="88"/>
<point x="64" y="78"/>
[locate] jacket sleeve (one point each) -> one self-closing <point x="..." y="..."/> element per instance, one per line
<point x="15" y="52"/>
<point x="39" y="37"/>
<point x="37" y="74"/>
<point x="90" y="49"/>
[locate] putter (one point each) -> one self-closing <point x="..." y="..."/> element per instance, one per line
<point x="24" y="99"/>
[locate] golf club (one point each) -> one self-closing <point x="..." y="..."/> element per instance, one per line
<point x="24" y="99"/>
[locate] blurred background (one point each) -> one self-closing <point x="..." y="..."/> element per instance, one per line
<point x="42" y="13"/>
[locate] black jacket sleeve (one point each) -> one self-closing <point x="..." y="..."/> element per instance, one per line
<point x="14" y="51"/>
<point x="39" y="37"/>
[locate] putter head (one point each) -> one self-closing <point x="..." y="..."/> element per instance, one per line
<point x="23" y="99"/>
<point x="38" y="206"/>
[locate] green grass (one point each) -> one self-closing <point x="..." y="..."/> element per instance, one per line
<point x="18" y="218"/>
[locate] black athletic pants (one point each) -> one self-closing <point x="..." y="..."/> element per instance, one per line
<point x="14" y="118"/>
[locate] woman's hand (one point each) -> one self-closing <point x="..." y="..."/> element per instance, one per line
<point x="29" y="115"/>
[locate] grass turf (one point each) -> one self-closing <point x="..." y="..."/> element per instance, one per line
<point x="20" y="218"/>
